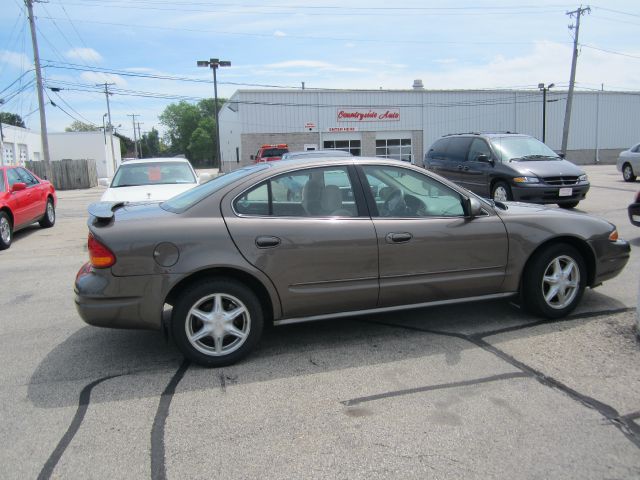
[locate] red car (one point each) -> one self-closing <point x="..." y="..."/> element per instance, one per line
<point x="270" y="153"/>
<point x="24" y="199"/>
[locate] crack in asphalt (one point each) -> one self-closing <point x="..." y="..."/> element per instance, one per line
<point x="441" y="386"/>
<point x="158" y="467"/>
<point x="625" y="423"/>
<point x="74" y="426"/>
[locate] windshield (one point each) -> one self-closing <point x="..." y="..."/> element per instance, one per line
<point x="153" y="173"/>
<point x="522" y="148"/>
<point x="274" y="152"/>
<point x="187" y="199"/>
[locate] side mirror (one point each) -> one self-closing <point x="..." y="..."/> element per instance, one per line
<point x="485" y="159"/>
<point x="18" y="186"/>
<point x="252" y="157"/>
<point x="561" y="155"/>
<point x="474" y="209"/>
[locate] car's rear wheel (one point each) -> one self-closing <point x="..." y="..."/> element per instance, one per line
<point x="217" y="322"/>
<point x="627" y="173"/>
<point x="554" y="281"/>
<point x="501" y="192"/>
<point x="49" y="217"/>
<point x="568" y="204"/>
<point x="6" y="231"/>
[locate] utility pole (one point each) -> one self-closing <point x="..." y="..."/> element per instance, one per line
<point x="135" y="141"/>
<point x="36" y="61"/>
<point x="567" y="114"/>
<point x="139" y="140"/>
<point x="110" y="126"/>
<point x="544" y="89"/>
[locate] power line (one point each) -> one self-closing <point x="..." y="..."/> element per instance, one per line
<point x="628" y="55"/>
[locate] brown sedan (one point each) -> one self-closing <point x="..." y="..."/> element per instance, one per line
<point x="294" y="241"/>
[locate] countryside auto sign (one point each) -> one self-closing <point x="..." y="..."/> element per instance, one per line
<point x="368" y="115"/>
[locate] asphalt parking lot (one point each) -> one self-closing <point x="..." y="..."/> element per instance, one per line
<point x="474" y="391"/>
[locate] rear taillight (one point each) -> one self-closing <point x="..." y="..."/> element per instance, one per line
<point x="99" y="255"/>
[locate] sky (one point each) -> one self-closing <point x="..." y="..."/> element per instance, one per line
<point x="149" y="48"/>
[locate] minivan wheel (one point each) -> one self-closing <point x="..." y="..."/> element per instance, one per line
<point x="217" y="322"/>
<point x="554" y="281"/>
<point x="501" y="192"/>
<point x="627" y="173"/>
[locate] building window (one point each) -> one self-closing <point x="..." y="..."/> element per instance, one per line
<point x="352" y="146"/>
<point x="398" y="148"/>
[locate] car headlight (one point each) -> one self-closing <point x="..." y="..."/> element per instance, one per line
<point x="583" y="178"/>
<point x="526" y="180"/>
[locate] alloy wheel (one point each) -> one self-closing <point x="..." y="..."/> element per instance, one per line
<point x="561" y="282"/>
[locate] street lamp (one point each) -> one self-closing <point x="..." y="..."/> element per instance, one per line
<point x="544" y="91"/>
<point x="214" y="63"/>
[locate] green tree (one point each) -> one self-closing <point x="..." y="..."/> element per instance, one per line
<point x="182" y="120"/>
<point x="150" y="144"/>
<point x="78" y="126"/>
<point x="12" y="119"/>
<point x="200" y="146"/>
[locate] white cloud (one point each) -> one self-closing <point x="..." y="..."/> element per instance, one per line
<point x="312" y="64"/>
<point x="15" y="59"/>
<point x="279" y="33"/>
<point x="99" y="77"/>
<point x="84" y="54"/>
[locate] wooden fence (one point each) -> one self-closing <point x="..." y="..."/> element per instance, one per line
<point x="67" y="174"/>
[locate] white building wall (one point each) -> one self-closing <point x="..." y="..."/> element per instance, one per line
<point x="86" y="145"/>
<point x="230" y="129"/>
<point x="19" y="145"/>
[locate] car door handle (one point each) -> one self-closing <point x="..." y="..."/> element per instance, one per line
<point x="399" y="237"/>
<point x="267" y="241"/>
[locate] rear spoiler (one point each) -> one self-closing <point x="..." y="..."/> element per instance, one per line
<point x="104" y="210"/>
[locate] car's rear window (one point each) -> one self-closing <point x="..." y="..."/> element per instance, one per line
<point x="186" y="200"/>
<point x="152" y="173"/>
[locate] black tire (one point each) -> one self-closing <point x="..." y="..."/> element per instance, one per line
<point x="49" y="218"/>
<point x="229" y="295"/>
<point x="6" y="231"/>
<point x="501" y="189"/>
<point x="568" y="204"/>
<point x="628" y="173"/>
<point x="540" y="276"/>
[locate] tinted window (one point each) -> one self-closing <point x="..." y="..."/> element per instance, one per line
<point x="2" y="186"/>
<point x="478" y="147"/>
<point x="403" y="193"/>
<point x="27" y="177"/>
<point x="458" y="148"/>
<point x="440" y="147"/>
<point x="273" y="152"/>
<point x="317" y="192"/>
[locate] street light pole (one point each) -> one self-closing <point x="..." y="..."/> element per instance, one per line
<point x="214" y="63"/>
<point x="544" y="91"/>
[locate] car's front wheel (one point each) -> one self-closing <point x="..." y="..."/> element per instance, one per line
<point x="217" y="322"/>
<point x="49" y="217"/>
<point x="554" y="281"/>
<point x="6" y="231"/>
<point x="501" y="192"/>
<point x="627" y="173"/>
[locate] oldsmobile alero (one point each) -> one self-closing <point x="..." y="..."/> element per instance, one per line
<point x="363" y="235"/>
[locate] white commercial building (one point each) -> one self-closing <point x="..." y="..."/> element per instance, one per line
<point x="404" y="123"/>
<point x="20" y="145"/>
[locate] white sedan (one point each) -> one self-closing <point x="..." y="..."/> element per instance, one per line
<point x="629" y="163"/>
<point x="150" y="180"/>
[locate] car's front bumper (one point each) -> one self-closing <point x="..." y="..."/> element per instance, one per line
<point x="104" y="300"/>
<point x="542" y="193"/>
<point x="611" y="257"/>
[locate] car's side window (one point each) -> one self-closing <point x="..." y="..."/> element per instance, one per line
<point x="478" y="147"/>
<point x="13" y="177"/>
<point x="2" y="187"/>
<point x="458" y="148"/>
<point x="316" y="192"/>
<point x="27" y="177"/>
<point x="404" y="193"/>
